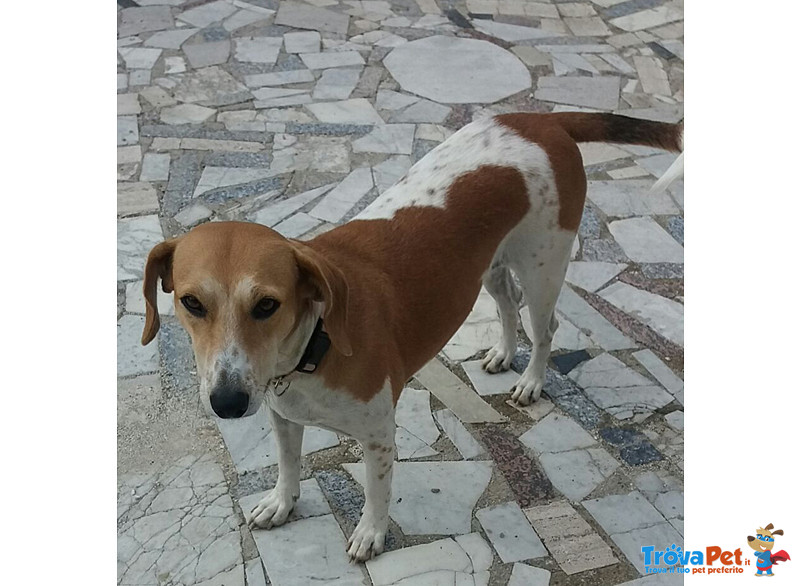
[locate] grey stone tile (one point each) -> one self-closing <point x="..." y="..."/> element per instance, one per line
<point x="172" y="39"/>
<point x="155" y="167"/>
<point x="243" y="18"/>
<point x="510" y="533"/>
<point x="193" y="215"/>
<point x="419" y="508"/>
<point x="307" y="551"/>
<point x="308" y="17"/>
<point x="643" y="240"/>
<point x="591" y="276"/>
<point x="210" y="86"/>
<point x="462" y="439"/>
<point x="675" y="420"/>
<point x="330" y="59"/>
<point x="279" y="78"/>
<point x="524" y="575"/>
<point x="216" y="177"/>
<point x="206" y="14"/>
<point x="623" y="199"/>
<point x="257" y="49"/>
<point x="296" y="226"/>
<point x="205" y="54"/>
<point x="663" y="315"/>
<point x="391" y="100"/>
<point x="387" y="138"/>
<point x="670" y="504"/>
<point x="132" y="357"/>
<point x="127" y="130"/>
<point x="571" y="540"/>
<point x="577" y="473"/>
<point x="136" y="198"/>
<point x="344" y="196"/>
<point x="128" y="104"/>
<point x="486" y="383"/>
<point x="254" y="573"/>
<point x="336" y="84"/>
<point x="623" y="513"/>
<point x="456" y="70"/>
<point x="139" y="58"/>
<point x="135" y="238"/>
<point x="661" y="536"/>
<point x="592" y="92"/>
<point x="416" y="431"/>
<point x="556" y="433"/>
<point x="455" y="395"/>
<point x="354" y="111"/>
<point x="186" y="114"/>
<point x="574" y="308"/>
<point x="302" y="42"/>
<point x="649" y="18"/>
<point x="274" y="213"/>
<point x="421" y="111"/>
<point x="511" y="33"/>
<point x="410" y="564"/>
<point x="143" y="19"/>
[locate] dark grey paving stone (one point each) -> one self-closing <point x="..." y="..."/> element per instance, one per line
<point x="580" y="408"/>
<point x="621" y="437"/>
<point x="457" y="18"/>
<point x="591" y="225"/>
<point x="662" y="51"/>
<point x="635" y="448"/>
<point x="177" y="358"/>
<point x="675" y="228"/>
<point x="566" y="362"/>
<point x="323" y="129"/>
<point x="218" y="196"/>
<point x="198" y="131"/>
<point x="215" y="33"/>
<point x="222" y="159"/>
<point x="183" y="175"/>
<point x="630" y="7"/>
<point x="521" y="359"/>
<point x="254" y="481"/>
<point x="662" y="270"/>
<point x="602" y="249"/>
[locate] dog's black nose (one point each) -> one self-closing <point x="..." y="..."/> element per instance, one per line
<point x="229" y="403"/>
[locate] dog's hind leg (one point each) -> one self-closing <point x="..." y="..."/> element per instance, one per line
<point x="274" y="508"/>
<point x="542" y="276"/>
<point x="501" y="286"/>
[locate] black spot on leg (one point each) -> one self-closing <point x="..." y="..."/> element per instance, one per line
<point x="431" y="191"/>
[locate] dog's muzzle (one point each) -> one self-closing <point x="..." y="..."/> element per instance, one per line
<point x="229" y="400"/>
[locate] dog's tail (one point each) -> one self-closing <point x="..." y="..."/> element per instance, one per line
<point x="590" y="127"/>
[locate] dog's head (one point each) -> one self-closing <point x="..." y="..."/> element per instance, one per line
<point x="764" y="539"/>
<point x="246" y="295"/>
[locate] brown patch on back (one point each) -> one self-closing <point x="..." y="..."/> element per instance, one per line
<point x="565" y="160"/>
<point x="415" y="277"/>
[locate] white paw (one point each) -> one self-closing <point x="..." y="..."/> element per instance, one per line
<point x="528" y="389"/>
<point x="272" y="510"/>
<point x="367" y="540"/>
<point x="498" y="358"/>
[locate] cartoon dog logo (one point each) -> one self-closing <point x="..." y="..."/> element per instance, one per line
<point x="763" y="543"/>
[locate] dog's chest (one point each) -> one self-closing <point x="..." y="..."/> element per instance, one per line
<point x="308" y="402"/>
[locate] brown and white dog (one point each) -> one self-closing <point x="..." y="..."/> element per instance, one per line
<point x="391" y="287"/>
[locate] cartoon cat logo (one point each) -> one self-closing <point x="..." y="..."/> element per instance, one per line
<point x="763" y="543"/>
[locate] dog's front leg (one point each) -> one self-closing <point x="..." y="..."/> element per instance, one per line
<point x="274" y="508"/>
<point x="368" y="537"/>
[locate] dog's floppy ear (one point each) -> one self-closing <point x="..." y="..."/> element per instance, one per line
<point x="159" y="265"/>
<point x="778" y="532"/>
<point x="331" y="288"/>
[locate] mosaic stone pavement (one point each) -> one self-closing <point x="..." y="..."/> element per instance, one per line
<point x="298" y="114"/>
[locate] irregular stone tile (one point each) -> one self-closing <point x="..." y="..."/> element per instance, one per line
<point x="302" y="16"/>
<point x="480" y="331"/>
<point x="592" y="26"/>
<point x="274" y="213"/>
<point x="524" y="575"/>
<point x="143" y="19"/>
<point x="294" y="100"/>
<point x="344" y="196"/>
<point x="243" y="18"/>
<point x="345" y="497"/>
<point x="556" y="433"/>
<point x="574" y="544"/>
<point x="136" y="198"/>
<point x="630" y="198"/>
<point x="127" y="130"/>
<point x="566" y="362"/>
<point x="135" y="238"/>
<point x="252" y="445"/>
<point x="486" y="383"/>
<point x="479" y="552"/>
<point x="675" y="420"/>
<point x="467" y="446"/>
<point x="186" y="114"/>
<point x="591" y="276"/>
<point x="649" y="18"/>
<point x="643" y="240"/>
<point x="388" y="138"/>
<point x="593" y="92"/>
<point x="132" y="357"/>
<point x="330" y="59"/>
<point x="527" y="481"/>
<point x="419" y="509"/>
<point x="215" y="177"/>
<point x="139" y="58"/>
<point x="433" y="132"/>
<point x="205" y="54"/>
<point x="536" y="410"/>
<point x="456" y="70"/>
<point x="307" y="551"/>
<point x="302" y="42"/>
<point x="210" y="86"/>
<point x="567" y="336"/>
<point x="510" y="32"/>
<point x="455" y="395"/>
<point x="207" y="14"/>
<point x="193" y="214"/>
<point x="531" y="56"/>
<point x="416" y="430"/>
<point x="510" y="533"/>
<point x="397" y="567"/>
<point x="172" y="39"/>
<point x="421" y="111"/>
<point x="617" y="388"/>
<point x="354" y="111"/>
<point x="663" y="315"/>
<point x="257" y="49"/>
<point x="652" y="75"/>
<point x="670" y="504"/>
<point x="391" y="100"/>
<point x="590" y="322"/>
<point x="279" y="78"/>
<point x="577" y="473"/>
<point x="155" y="167"/>
<point x="631" y="521"/>
<point x="388" y="172"/>
<point x="336" y="84"/>
<point x="139" y="77"/>
<point x="128" y="104"/>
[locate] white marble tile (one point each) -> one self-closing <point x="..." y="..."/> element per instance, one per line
<point x="510" y="532"/>
<point x="433" y="497"/>
<point x="649" y="18"/>
<point x="140" y="57"/>
<point x="486" y="383"/>
<point x="387" y="138"/>
<point x="556" y="433"/>
<point x="135" y="238"/>
<point x="186" y="114"/>
<point x="329" y="59"/>
<point x="592" y="92"/>
<point x="207" y="14"/>
<point x="136" y="198"/>
<point x="416" y="431"/>
<point x="354" y="111"/>
<point x="623" y="199"/>
<point x="511" y="33"/>
<point x="462" y="439"/>
<point x="663" y="315"/>
<point x="296" y="225"/>
<point x="132" y="357"/>
<point x="336" y="84"/>
<point x="388" y="172"/>
<point x="155" y="167"/>
<point x="170" y="39"/>
<point x="274" y="213"/>
<point x="216" y="177"/>
<point x="661" y="372"/>
<point x="302" y="42"/>
<point x="591" y="276"/>
<point x="257" y="49"/>
<point x="652" y="75"/>
<point x="344" y="196"/>
<point x="410" y="564"/>
<point x="645" y="241"/>
<point x="311" y="503"/>
<point x="279" y="78"/>
<point x="602" y="333"/>
<point x="525" y="575"/>
<point x="577" y="473"/>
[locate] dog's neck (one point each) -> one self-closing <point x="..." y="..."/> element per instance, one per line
<point x="294" y="348"/>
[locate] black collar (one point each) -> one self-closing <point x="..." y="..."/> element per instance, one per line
<point x="315" y="351"/>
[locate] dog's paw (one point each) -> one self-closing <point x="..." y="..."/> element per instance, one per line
<point x="528" y="389"/>
<point x="367" y="540"/>
<point x="272" y="510"/>
<point x="498" y="359"/>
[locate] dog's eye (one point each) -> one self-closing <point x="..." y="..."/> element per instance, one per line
<point x="265" y="308"/>
<point x="193" y="305"/>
